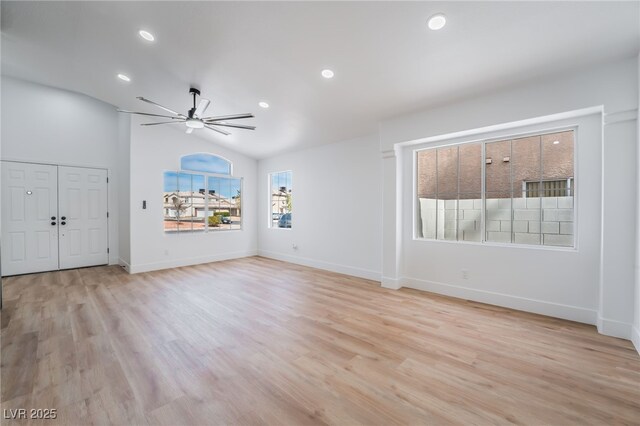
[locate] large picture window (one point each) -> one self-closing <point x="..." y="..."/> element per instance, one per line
<point x="202" y="202"/>
<point x="280" y="197"/>
<point x="518" y="190"/>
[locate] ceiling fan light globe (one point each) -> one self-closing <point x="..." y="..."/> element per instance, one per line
<point x="194" y="124"/>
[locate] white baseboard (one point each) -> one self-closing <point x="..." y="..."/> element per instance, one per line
<point x="391" y="283"/>
<point x="635" y="338"/>
<point x="176" y="263"/>
<point x="328" y="266"/>
<point x="572" y="313"/>
<point x="125" y="265"/>
<point x="614" y="328"/>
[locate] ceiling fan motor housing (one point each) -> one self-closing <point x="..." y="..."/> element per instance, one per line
<point x="195" y="92"/>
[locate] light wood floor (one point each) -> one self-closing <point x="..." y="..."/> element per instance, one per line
<point x="257" y="341"/>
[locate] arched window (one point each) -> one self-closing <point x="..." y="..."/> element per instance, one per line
<point x="202" y="195"/>
<point x="207" y="163"/>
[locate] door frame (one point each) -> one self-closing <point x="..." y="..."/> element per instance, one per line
<point x="86" y="166"/>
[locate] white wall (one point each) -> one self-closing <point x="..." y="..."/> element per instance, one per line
<point x="606" y="300"/>
<point x="618" y="226"/>
<point x="636" y="328"/>
<point x="611" y="85"/>
<point x="155" y="149"/>
<point x="69" y="129"/>
<point x="124" y="192"/>
<point x="336" y="222"/>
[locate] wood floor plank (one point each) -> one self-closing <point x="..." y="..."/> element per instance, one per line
<point x="19" y="365"/>
<point x="256" y="341"/>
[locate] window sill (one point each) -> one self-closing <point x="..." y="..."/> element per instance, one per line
<point x="201" y="232"/>
<point x="503" y="245"/>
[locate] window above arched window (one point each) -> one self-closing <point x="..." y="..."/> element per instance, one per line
<point x="207" y="163"/>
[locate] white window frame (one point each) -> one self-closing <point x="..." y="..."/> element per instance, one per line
<point x="206" y="204"/>
<point x="509" y="135"/>
<point x="270" y="212"/>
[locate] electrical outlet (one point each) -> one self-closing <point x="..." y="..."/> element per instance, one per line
<point x="465" y="274"/>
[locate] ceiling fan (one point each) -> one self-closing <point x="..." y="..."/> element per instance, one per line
<point x="194" y="118"/>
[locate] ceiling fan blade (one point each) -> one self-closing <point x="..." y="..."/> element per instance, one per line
<point x="150" y="115"/>
<point x="163" y="122"/>
<point x="202" y="106"/>
<point x="228" y="117"/>
<point x="238" y="126"/>
<point x="217" y="130"/>
<point x="189" y="130"/>
<point x="159" y="106"/>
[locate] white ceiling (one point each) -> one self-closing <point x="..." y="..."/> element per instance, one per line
<point x="387" y="62"/>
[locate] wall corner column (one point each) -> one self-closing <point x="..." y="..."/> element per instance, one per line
<point x="618" y="246"/>
<point x="391" y="219"/>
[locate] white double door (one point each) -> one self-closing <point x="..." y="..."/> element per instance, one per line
<point x="53" y="217"/>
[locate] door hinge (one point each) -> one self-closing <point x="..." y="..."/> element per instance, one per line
<point x="107" y="180"/>
<point x="107" y="249"/>
<point x="107" y="214"/>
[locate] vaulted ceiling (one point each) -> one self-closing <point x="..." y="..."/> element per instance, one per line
<point x="386" y="60"/>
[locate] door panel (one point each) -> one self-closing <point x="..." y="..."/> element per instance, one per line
<point x="29" y="200"/>
<point x="18" y="246"/>
<point x="42" y="245"/>
<point x="82" y="202"/>
<point x="17" y="202"/>
<point x="94" y="204"/>
<point x="44" y="200"/>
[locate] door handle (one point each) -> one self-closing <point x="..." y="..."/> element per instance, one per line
<point x="63" y="218"/>
<point x="63" y="223"/>
<point x="53" y="218"/>
<point x="53" y="224"/>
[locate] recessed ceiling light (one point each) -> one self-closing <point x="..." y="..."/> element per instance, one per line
<point x="437" y="21"/>
<point x="327" y="73"/>
<point x="556" y="142"/>
<point x="146" y="35"/>
<point x="124" y="77"/>
<point x="263" y="104"/>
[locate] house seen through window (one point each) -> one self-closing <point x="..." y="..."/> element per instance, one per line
<point x="202" y="196"/>
<point x="280" y="214"/>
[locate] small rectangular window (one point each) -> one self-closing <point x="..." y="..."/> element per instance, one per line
<point x="224" y="203"/>
<point x="217" y="200"/>
<point x="449" y="180"/>
<point x="235" y="203"/>
<point x="527" y="196"/>
<point x="280" y="196"/>
<point x="178" y="202"/>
